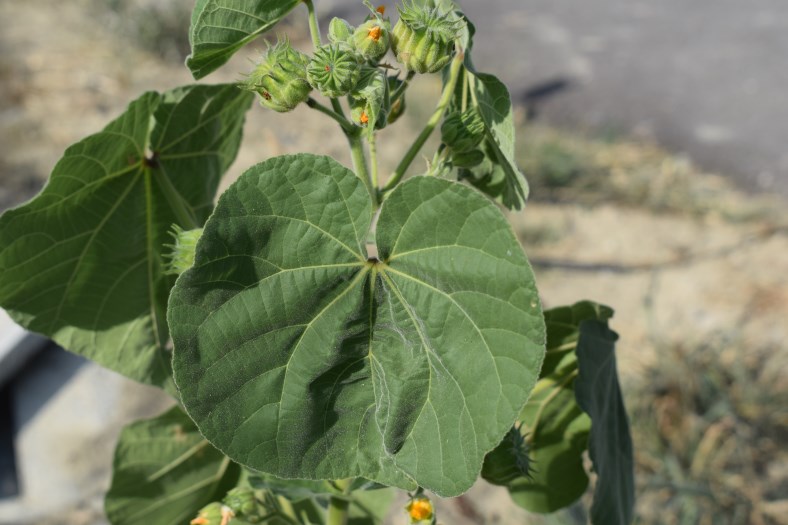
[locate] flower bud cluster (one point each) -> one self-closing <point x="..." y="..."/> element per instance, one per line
<point x="423" y="38"/>
<point x="463" y="132"/>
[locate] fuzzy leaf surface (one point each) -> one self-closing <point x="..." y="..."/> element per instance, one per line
<point x="219" y="28"/>
<point x="164" y="471"/>
<point x="300" y="356"/>
<point x="82" y="262"/>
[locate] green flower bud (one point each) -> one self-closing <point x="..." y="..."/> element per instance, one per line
<point x="340" y="31"/>
<point x="462" y="132"/>
<point x="397" y="106"/>
<point x="280" y="78"/>
<point x="244" y="505"/>
<point x="181" y="255"/>
<point x="371" y="39"/>
<point x="508" y="461"/>
<point x="334" y="70"/>
<point x="423" y="38"/>
<point x="467" y="159"/>
<point x="369" y="102"/>
<point x="212" y="514"/>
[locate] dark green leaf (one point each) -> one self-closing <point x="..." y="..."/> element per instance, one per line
<point x="555" y="426"/>
<point x="299" y="356"/>
<point x="165" y="471"/>
<point x="219" y="28"/>
<point x="610" y="445"/>
<point x="83" y="261"/>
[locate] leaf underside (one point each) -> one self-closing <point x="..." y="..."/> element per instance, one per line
<point x="299" y="356"/>
<point x="219" y="28"/>
<point x="82" y="262"/>
<point x="164" y="471"/>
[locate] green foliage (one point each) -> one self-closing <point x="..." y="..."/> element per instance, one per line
<point x="164" y="470"/>
<point x="329" y="335"/>
<point x="219" y="28"/>
<point x="84" y="261"/>
<point x="373" y="353"/>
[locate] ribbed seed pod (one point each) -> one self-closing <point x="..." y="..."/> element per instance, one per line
<point x="462" y="131"/>
<point x="280" y="78"/>
<point x="334" y="70"/>
<point x="423" y="38"/>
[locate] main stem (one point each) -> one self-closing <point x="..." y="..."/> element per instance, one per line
<point x="314" y="27"/>
<point x="443" y="103"/>
<point x="360" y="163"/>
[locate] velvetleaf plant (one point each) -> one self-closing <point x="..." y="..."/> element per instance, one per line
<point x="330" y="336"/>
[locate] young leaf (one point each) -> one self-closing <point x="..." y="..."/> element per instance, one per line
<point x="299" y="356"/>
<point x="82" y="262"/>
<point x="164" y="471"/>
<point x="219" y="28"/>
<point x="610" y="444"/>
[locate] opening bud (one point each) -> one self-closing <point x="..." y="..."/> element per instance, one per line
<point x="423" y="38"/>
<point x="462" y="131"/>
<point x="420" y="510"/>
<point x="334" y="70"/>
<point x="280" y="78"/>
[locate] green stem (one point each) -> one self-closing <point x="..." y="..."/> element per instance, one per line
<point x="180" y="208"/>
<point x="402" y="87"/>
<point x="314" y="27"/>
<point x="360" y="163"/>
<point x="443" y="103"/>
<point x="337" y="505"/>
<point x="552" y="395"/>
<point x="373" y="159"/>
<point x="347" y="126"/>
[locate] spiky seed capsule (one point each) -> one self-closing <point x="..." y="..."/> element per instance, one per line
<point x="280" y="78"/>
<point x="420" y="509"/>
<point x="340" y="31"/>
<point x="334" y="70"/>
<point x="181" y="254"/>
<point x="462" y="131"/>
<point x="423" y="38"/>
<point x="509" y="460"/>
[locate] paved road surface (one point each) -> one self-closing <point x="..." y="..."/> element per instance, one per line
<point x="704" y="77"/>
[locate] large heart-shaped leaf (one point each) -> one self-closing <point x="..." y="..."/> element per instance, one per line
<point x="610" y="444"/>
<point x="82" y="262"/>
<point x="300" y="356"/>
<point x="219" y="28"/>
<point x="165" y="471"/>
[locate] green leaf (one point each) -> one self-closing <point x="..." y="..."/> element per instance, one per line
<point x="300" y="356"/>
<point x="82" y="262"/>
<point x="164" y="471"/>
<point x="554" y="425"/>
<point x="370" y="507"/>
<point x="498" y="176"/>
<point x="219" y="28"/>
<point x="610" y="444"/>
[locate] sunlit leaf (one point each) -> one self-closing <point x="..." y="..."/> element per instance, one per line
<point x="300" y="356"/>
<point x="83" y="261"/>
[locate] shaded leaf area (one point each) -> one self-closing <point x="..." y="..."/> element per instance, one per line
<point x="83" y="261"/>
<point x="219" y="28"/>
<point x="610" y="444"/>
<point x="164" y="471"/>
<point x="497" y="175"/>
<point x="299" y="356"/>
<point x="557" y="425"/>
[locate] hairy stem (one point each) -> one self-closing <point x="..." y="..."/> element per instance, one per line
<point x="314" y="27"/>
<point x="360" y="163"/>
<point x="443" y="103"/>
<point x="347" y="126"/>
<point x="373" y="159"/>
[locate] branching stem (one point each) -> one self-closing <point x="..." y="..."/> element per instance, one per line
<point x="314" y="27"/>
<point x="347" y="126"/>
<point x="443" y="103"/>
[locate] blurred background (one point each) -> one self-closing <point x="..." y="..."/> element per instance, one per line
<point x="654" y="138"/>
